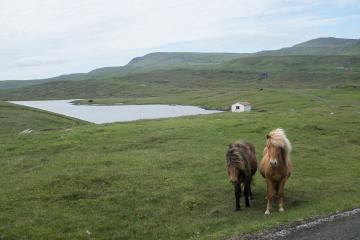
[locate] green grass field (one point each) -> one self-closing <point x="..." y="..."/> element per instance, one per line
<point x="15" y="118"/>
<point x="166" y="179"/>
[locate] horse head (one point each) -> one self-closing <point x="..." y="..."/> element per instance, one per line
<point x="273" y="153"/>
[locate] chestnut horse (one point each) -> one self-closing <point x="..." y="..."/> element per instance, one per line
<point x="276" y="166"/>
<point x="241" y="166"/>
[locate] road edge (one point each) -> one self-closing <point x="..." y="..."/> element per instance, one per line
<point x="284" y="230"/>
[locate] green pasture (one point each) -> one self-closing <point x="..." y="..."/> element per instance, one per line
<point x="166" y="179"/>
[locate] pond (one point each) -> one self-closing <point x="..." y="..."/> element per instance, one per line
<point x="114" y="113"/>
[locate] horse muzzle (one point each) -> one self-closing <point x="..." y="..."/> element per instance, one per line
<point x="273" y="163"/>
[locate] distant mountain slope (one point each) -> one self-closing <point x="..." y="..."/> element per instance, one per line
<point x="242" y="73"/>
<point x="164" y="61"/>
<point x="149" y="62"/>
<point x="147" y="84"/>
<point x="188" y="60"/>
<point x="317" y="63"/>
<point x="353" y="49"/>
<point x="9" y="84"/>
<point x="319" y="46"/>
<point x="161" y="60"/>
<point x="329" y="42"/>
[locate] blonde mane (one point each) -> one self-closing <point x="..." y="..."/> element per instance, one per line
<point x="278" y="138"/>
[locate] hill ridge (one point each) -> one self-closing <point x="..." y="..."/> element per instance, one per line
<point x="323" y="46"/>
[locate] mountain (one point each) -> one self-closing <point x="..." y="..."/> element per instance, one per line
<point x="329" y="42"/>
<point x="164" y="61"/>
<point x="319" y="46"/>
<point x="151" y="61"/>
<point x="9" y="84"/>
<point x="253" y="72"/>
<point x="161" y="60"/>
<point x="328" y="55"/>
<point x="309" y="63"/>
<point x="354" y="49"/>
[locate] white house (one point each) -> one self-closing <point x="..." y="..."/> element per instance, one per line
<point x="241" y="107"/>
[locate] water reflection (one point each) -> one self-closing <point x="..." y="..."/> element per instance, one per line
<point x="117" y="113"/>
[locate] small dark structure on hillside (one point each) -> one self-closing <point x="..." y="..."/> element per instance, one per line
<point x="263" y="76"/>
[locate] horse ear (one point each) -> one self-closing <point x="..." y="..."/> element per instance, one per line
<point x="231" y="145"/>
<point x="267" y="136"/>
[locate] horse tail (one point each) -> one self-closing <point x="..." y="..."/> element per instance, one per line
<point x="252" y="158"/>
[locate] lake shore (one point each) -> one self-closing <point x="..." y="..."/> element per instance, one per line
<point x="101" y="114"/>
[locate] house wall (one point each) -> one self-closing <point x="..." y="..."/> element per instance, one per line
<point x="233" y="108"/>
<point x="242" y="108"/>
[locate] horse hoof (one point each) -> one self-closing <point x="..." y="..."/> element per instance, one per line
<point x="267" y="212"/>
<point x="281" y="209"/>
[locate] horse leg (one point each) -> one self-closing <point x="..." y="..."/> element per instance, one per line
<point x="250" y="193"/>
<point x="281" y="194"/>
<point x="269" y="196"/>
<point x="237" y="188"/>
<point x="247" y="193"/>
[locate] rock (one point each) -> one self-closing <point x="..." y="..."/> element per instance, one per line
<point x="26" y="131"/>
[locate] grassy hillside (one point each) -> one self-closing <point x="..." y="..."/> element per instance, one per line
<point x="15" y="118"/>
<point x="166" y="179"/>
<point x="149" y="62"/>
<point x="19" y="83"/>
<point x="10" y="84"/>
<point x="302" y="71"/>
<point x="161" y="60"/>
<point x="353" y="50"/>
<point x="319" y="46"/>
<point x="329" y="42"/>
<point x="282" y="72"/>
<point x="150" y="84"/>
<point x="175" y="60"/>
<point x="296" y="63"/>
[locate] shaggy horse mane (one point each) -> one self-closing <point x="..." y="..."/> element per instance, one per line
<point x="278" y="138"/>
<point x="239" y="155"/>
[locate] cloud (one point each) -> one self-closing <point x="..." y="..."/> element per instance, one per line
<point x="347" y="2"/>
<point x="47" y="38"/>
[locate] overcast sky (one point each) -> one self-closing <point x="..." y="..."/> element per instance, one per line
<point x="46" y="38"/>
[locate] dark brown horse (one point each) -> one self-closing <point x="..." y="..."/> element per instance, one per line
<point x="276" y="166"/>
<point x="241" y="166"/>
